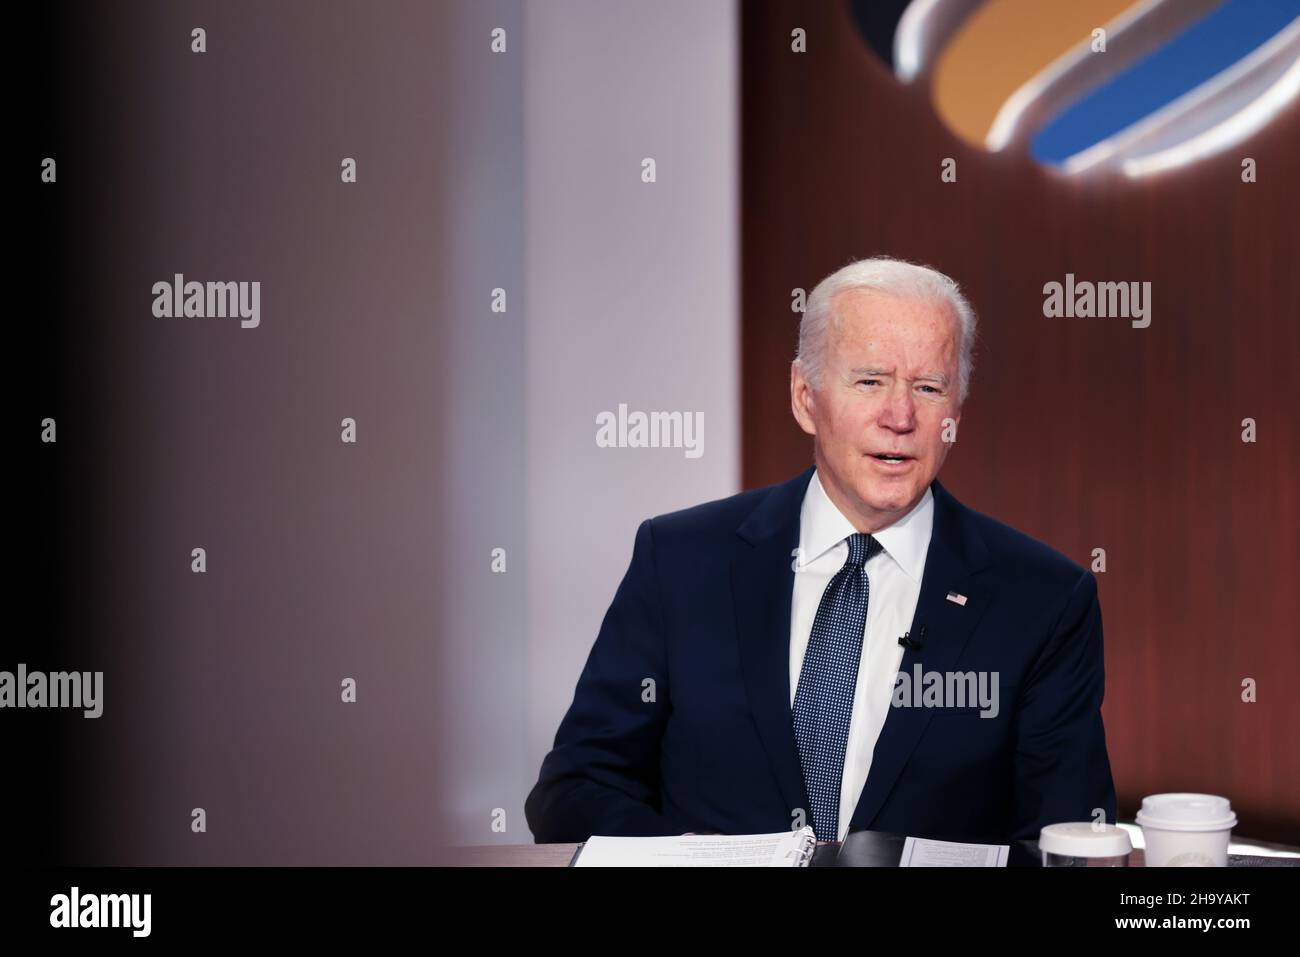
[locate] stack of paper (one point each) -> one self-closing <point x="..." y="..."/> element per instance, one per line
<point x="783" y="849"/>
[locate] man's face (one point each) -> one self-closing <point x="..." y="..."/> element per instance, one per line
<point x="889" y="380"/>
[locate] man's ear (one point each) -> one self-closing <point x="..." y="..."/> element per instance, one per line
<point x="802" y="399"/>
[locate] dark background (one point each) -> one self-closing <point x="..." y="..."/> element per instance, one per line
<point x="54" y="344"/>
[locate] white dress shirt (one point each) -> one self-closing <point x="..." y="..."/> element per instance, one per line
<point x="895" y="586"/>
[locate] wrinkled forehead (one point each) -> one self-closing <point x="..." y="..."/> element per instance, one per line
<point x="879" y="323"/>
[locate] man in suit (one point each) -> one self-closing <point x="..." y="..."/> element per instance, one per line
<point x="796" y="654"/>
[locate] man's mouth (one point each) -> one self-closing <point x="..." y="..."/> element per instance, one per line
<point x="891" y="457"/>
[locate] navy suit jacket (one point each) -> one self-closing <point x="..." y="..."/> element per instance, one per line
<point x="704" y="614"/>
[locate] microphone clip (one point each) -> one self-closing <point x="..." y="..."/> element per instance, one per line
<point x="915" y="644"/>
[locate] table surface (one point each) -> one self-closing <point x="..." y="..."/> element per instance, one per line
<point x="559" y="855"/>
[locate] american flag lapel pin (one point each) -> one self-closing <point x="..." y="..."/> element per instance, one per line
<point x="957" y="599"/>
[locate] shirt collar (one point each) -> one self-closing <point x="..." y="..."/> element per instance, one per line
<point x="822" y="526"/>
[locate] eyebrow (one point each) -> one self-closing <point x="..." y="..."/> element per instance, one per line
<point x="928" y="376"/>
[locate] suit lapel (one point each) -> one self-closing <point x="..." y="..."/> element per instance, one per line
<point x="762" y="583"/>
<point x="955" y="554"/>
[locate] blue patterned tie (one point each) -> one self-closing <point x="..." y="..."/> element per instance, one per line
<point x="823" y="702"/>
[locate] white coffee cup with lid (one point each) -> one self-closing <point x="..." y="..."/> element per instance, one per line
<point x="1084" y="844"/>
<point x="1186" y="830"/>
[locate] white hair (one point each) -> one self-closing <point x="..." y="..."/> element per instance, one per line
<point x="896" y="277"/>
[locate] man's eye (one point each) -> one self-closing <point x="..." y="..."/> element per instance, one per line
<point x="866" y="381"/>
<point x="929" y="388"/>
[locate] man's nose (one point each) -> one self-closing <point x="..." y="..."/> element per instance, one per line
<point x="899" y="411"/>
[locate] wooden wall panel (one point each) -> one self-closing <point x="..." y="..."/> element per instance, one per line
<point x="1083" y="433"/>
